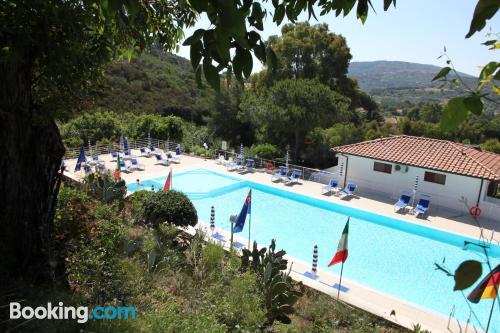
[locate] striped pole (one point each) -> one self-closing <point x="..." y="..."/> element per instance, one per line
<point x="212" y="219"/>
<point x="241" y="151"/>
<point x="341" y="172"/>
<point x="90" y="148"/>
<point x="286" y="159"/>
<point x="415" y="188"/>
<point x="315" y="259"/>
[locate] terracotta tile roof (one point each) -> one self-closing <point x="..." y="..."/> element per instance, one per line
<point x="427" y="153"/>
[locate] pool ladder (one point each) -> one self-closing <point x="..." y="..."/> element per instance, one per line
<point x="452" y="315"/>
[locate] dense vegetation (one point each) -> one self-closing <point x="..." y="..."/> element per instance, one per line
<point x="304" y="111"/>
<point x="107" y="254"/>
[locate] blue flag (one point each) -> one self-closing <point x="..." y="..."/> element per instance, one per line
<point x="240" y="221"/>
<point x="81" y="159"/>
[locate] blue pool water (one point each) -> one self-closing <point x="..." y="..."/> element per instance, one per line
<point x="385" y="254"/>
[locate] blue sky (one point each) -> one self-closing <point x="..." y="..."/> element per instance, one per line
<point x="414" y="31"/>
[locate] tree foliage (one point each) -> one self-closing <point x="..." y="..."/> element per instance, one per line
<point x="234" y="34"/>
<point x="63" y="45"/>
<point x="169" y="207"/>
<point x="289" y="109"/>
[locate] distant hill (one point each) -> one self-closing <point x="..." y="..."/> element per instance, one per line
<point x="402" y="85"/>
<point x="379" y="75"/>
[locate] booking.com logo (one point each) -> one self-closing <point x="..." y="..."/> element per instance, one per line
<point x="81" y="313"/>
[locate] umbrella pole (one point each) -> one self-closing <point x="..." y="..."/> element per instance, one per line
<point x="340" y="281"/>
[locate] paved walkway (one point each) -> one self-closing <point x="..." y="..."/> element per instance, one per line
<point x="385" y="306"/>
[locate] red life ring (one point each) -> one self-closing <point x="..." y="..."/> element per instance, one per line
<point x="475" y="211"/>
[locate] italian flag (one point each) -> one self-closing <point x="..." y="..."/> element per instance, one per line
<point x="168" y="182"/>
<point x="341" y="255"/>
<point x="487" y="288"/>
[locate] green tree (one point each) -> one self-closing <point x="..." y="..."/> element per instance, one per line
<point x="313" y="52"/>
<point x="492" y="145"/>
<point x="307" y="52"/>
<point x="52" y="53"/>
<point x="169" y="127"/>
<point x="169" y="207"/>
<point x="430" y="112"/>
<point x="94" y="126"/>
<point x="291" y="108"/>
<point x="224" y="121"/>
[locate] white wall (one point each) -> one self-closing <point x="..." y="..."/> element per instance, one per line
<point x="360" y="170"/>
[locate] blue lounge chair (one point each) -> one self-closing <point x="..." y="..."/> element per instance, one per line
<point x="96" y="160"/>
<point x="333" y="185"/>
<point x="249" y="166"/>
<point x="178" y="150"/>
<point x="114" y="155"/>
<point x="161" y="160"/>
<point x="172" y="158"/>
<point x="125" y="167"/>
<point x="423" y="205"/>
<point x="145" y="152"/>
<point x="127" y="155"/>
<point x="403" y="202"/>
<point x="294" y="177"/>
<point x="136" y="165"/>
<point x="348" y="190"/>
<point x="280" y="174"/>
<point x="156" y="151"/>
<point x="235" y="166"/>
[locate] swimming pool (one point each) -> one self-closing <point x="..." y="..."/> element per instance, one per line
<point x="385" y="254"/>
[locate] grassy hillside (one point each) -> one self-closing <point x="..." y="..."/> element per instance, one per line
<point x="155" y="83"/>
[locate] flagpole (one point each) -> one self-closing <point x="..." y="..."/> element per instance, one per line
<point x="249" y="226"/>
<point x="340" y="281"/>
<point x="492" y="307"/>
<point x="232" y="233"/>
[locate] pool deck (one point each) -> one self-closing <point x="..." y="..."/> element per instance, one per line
<point x="403" y="313"/>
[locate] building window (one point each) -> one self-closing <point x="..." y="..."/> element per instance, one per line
<point x="382" y="167"/>
<point x="494" y="189"/>
<point x="437" y="178"/>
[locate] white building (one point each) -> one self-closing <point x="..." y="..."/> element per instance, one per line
<point x="457" y="176"/>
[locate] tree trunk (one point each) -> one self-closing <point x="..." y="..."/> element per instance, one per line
<point x="30" y="156"/>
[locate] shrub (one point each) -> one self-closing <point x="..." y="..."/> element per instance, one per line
<point x="280" y="295"/>
<point x="237" y="302"/>
<point x="169" y="207"/>
<point x="93" y="265"/>
<point x="104" y="187"/>
<point x="265" y="150"/>
<point x="492" y="145"/>
<point x="213" y="258"/>
<point x="136" y="201"/>
<point x="74" y="221"/>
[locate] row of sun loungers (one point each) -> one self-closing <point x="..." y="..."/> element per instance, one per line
<point x="333" y="187"/>
<point x="403" y="203"/>
<point x="130" y="162"/>
<point x="282" y="175"/>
